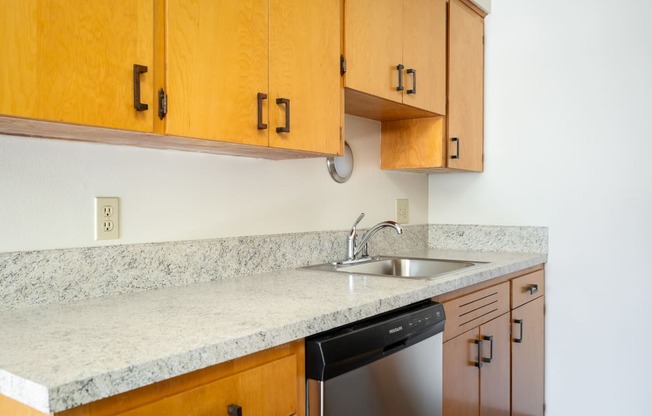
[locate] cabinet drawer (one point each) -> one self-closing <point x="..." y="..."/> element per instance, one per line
<point x="269" y="389"/>
<point x="475" y="309"/>
<point x="527" y="288"/>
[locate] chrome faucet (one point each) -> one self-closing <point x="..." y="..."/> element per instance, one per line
<point x="355" y="248"/>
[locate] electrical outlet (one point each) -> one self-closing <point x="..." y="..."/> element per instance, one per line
<point x="107" y="218"/>
<point x="402" y="211"/>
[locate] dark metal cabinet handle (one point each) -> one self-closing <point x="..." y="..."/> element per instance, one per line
<point x="533" y="288"/>
<point x="234" y="410"/>
<point x="400" y="68"/>
<point x="519" y="322"/>
<point x="138" y="70"/>
<point x="489" y="338"/>
<point x="285" y="129"/>
<point x="261" y="96"/>
<point x="414" y="81"/>
<point x="478" y="363"/>
<point x="456" y="140"/>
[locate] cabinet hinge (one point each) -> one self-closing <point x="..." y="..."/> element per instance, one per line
<point x="162" y="104"/>
<point x="342" y="65"/>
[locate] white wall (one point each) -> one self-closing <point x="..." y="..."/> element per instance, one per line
<point x="569" y="145"/>
<point x="47" y="189"/>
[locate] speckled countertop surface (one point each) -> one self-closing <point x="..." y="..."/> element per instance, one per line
<point x="58" y="356"/>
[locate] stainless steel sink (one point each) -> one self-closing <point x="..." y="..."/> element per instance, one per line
<point x="418" y="268"/>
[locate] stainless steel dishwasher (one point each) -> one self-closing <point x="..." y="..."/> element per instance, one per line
<point x="387" y="365"/>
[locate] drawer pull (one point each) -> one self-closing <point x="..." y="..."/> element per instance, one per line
<point x="400" y="87"/>
<point x="489" y="338"/>
<point x="138" y="70"/>
<point x="519" y="322"/>
<point x="478" y="363"/>
<point x="234" y="410"/>
<point x="414" y="81"/>
<point x="533" y="288"/>
<point x="286" y="128"/>
<point x="261" y="96"/>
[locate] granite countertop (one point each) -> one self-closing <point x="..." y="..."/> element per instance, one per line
<point x="59" y="356"/>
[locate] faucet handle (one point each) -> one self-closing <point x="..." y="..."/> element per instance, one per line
<point x="355" y="224"/>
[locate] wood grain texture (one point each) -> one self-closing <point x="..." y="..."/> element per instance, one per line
<point x="368" y="106"/>
<point x="217" y="63"/>
<point x="465" y="114"/>
<point x="495" y="376"/>
<point x="474" y="309"/>
<point x="270" y="382"/>
<point x="489" y="283"/>
<point x="74" y="63"/>
<point x="412" y="144"/>
<point x="461" y="387"/>
<point x="424" y="49"/>
<point x="374" y="46"/>
<point x="304" y="67"/>
<point x="521" y="288"/>
<point x="45" y="129"/>
<point x="528" y="358"/>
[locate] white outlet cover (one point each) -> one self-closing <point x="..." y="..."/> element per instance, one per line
<point x="402" y="211"/>
<point x="107" y="209"/>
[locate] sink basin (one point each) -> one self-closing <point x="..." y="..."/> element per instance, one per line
<point x="419" y="268"/>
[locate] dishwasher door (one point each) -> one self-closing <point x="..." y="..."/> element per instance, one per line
<point x="390" y="377"/>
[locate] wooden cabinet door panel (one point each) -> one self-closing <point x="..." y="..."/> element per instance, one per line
<point x="424" y="49"/>
<point x="217" y="58"/>
<point x="267" y="390"/>
<point x="495" y="376"/>
<point x="73" y="62"/>
<point x="528" y="359"/>
<point x="374" y="46"/>
<point x="461" y="377"/>
<point x="304" y="67"/>
<point x="465" y="87"/>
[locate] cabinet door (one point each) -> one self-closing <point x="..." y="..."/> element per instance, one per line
<point x="465" y="87"/>
<point x="461" y="389"/>
<point x="267" y="390"/>
<point x="73" y="61"/>
<point x="424" y="50"/>
<point x="217" y="58"/>
<point x="304" y="67"/>
<point x="374" y="46"/>
<point x="495" y="375"/>
<point x="528" y="359"/>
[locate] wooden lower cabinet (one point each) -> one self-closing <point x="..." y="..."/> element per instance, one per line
<point x="528" y="359"/>
<point x="510" y="309"/>
<point x="477" y="371"/>
<point x="267" y="383"/>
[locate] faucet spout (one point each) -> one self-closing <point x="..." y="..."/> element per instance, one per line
<point x="361" y="246"/>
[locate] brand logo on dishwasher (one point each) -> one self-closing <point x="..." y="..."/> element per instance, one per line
<point x="395" y="330"/>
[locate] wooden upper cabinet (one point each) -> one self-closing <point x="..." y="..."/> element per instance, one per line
<point x="388" y="46"/>
<point x="465" y="88"/>
<point x="217" y="62"/>
<point x="454" y="142"/>
<point x="74" y="63"/>
<point x="374" y="46"/>
<point x="424" y="52"/>
<point x="238" y="71"/>
<point x="304" y="68"/>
